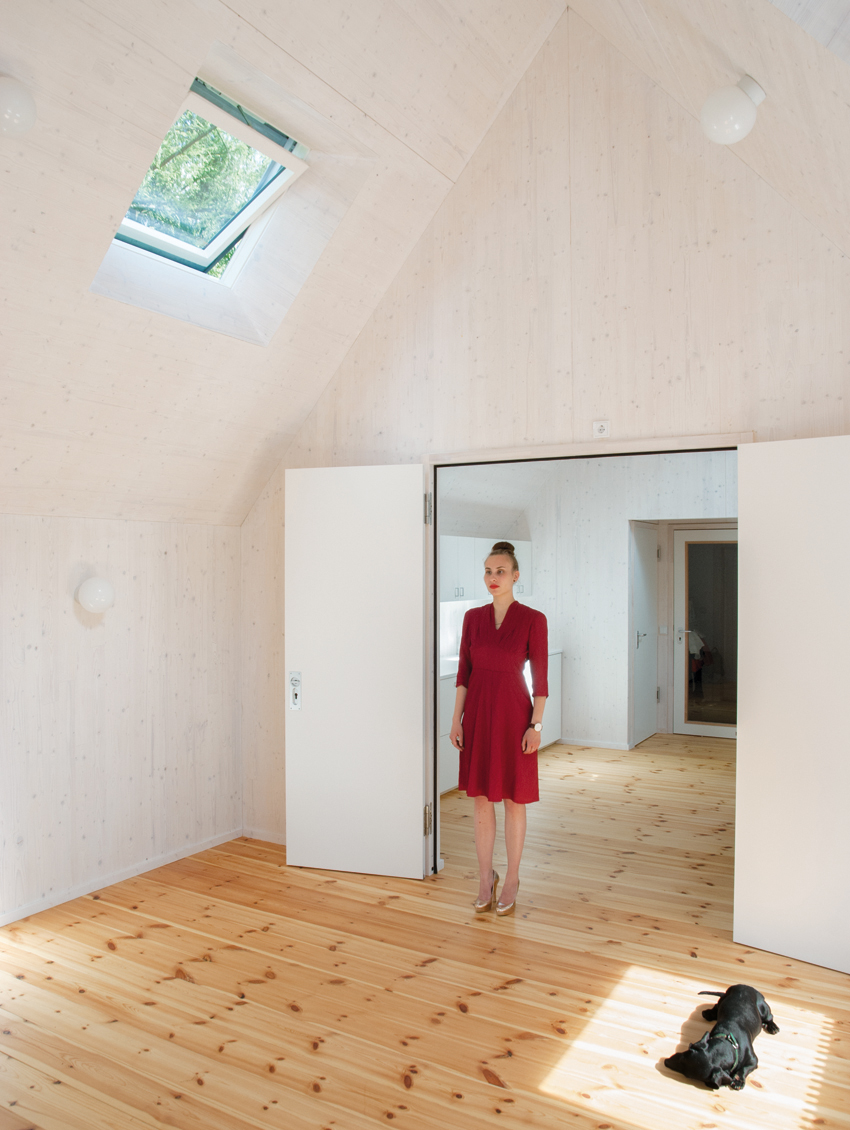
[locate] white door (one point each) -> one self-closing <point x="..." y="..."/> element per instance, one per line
<point x="792" y="832"/>
<point x="705" y="632"/>
<point x="643" y="643"/>
<point x="357" y="758"/>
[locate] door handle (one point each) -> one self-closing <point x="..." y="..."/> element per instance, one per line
<point x="294" y="690"/>
<point x="640" y="636"/>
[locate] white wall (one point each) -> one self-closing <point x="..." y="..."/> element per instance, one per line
<point x="119" y="733"/>
<point x="580" y="532"/>
<point x="792" y="832"/>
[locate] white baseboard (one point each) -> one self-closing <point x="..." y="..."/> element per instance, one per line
<point x="59" y="897"/>
<point x="261" y="834"/>
<point x="594" y="744"/>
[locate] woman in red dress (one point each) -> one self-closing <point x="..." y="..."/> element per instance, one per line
<point x="495" y="726"/>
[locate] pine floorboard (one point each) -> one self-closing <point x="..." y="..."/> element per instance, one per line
<point x="230" y="992"/>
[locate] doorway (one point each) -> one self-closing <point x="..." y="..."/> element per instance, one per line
<point x="576" y="520"/>
<point x="705" y="638"/>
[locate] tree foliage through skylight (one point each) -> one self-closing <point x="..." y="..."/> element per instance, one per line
<point x="199" y="180"/>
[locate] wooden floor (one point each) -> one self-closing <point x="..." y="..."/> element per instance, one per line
<point x="227" y="991"/>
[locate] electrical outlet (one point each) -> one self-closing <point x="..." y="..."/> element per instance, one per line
<point x="601" y="429"/>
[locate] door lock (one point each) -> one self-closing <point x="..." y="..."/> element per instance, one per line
<point x="294" y="690"/>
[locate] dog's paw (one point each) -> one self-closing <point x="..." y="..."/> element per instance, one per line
<point x="737" y="1084"/>
<point x="771" y="1028"/>
<point x="709" y="1013"/>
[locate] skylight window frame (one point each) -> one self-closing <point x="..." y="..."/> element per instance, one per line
<point x="159" y="243"/>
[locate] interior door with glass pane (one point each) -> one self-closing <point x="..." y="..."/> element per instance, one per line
<point x="705" y="636"/>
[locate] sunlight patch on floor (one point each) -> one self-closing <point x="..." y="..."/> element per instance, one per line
<point x="614" y="1067"/>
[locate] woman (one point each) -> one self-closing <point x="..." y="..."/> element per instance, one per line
<point x="495" y="726"/>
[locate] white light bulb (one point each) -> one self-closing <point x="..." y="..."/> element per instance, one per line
<point x="17" y="108"/>
<point x="730" y="113"/>
<point x="96" y="594"/>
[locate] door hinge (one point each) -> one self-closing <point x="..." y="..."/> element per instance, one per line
<point x="658" y="694"/>
<point x="429" y="820"/>
<point x="429" y="509"/>
<point x="658" y="552"/>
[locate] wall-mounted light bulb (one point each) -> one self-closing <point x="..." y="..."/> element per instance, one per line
<point x="96" y="594"/>
<point x="730" y="113"/>
<point x="17" y="107"/>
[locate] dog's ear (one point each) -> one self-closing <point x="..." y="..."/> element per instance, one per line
<point x="702" y="1041"/>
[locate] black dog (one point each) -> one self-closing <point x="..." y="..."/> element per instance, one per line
<point x="724" y="1057"/>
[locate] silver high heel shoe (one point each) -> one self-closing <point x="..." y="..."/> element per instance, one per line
<point x="483" y="907"/>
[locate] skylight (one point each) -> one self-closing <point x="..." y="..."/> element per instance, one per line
<point x="219" y="167"/>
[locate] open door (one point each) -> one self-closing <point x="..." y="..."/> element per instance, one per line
<point x="705" y="640"/>
<point x="357" y="757"/>
<point x="643" y="625"/>
<point x="792" y="831"/>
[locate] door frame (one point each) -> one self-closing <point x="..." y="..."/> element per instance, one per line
<point x="667" y="651"/>
<point x="707" y="729"/>
<point x="527" y="454"/>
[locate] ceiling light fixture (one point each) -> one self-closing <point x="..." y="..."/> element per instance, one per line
<point x="17" y="107"/>
<point x="730" y="113"/>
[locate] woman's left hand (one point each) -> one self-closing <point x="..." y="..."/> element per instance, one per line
<point x="531" y="740"/>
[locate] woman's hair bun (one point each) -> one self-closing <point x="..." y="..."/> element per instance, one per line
<point x="507" y="550"/>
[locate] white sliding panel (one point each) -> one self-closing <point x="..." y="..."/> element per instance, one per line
<point x="355" y="633"/>
<point x="792" y="841"/>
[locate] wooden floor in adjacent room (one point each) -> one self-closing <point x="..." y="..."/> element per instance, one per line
<point x="227" y="992"/>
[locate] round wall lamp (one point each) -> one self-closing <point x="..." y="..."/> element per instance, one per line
<point x="730" y="113"/>
<point x="95" y="594"/>
<point x="17" y="107"/>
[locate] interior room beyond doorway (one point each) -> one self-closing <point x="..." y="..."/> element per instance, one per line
<point x="571" y="522"/>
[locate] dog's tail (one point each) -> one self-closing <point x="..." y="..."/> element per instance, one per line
<point x="709" y="993"/>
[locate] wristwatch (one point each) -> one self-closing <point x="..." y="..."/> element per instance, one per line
<point x="538" y="726"/>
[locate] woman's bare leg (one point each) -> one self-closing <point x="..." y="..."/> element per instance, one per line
<point x="514" y="842"/>
<point x="485" y="838"/>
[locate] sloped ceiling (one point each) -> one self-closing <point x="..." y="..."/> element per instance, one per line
<point x="828" y="21"/>
<point x="692" y="47"/>
<point x="107" y="410"/>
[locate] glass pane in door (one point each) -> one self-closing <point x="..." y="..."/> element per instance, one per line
<point x="711" y="569"/>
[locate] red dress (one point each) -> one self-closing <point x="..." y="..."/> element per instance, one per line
<point x="498" y="708"/>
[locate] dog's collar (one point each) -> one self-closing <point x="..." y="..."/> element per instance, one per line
<point x="728" y="1036"/>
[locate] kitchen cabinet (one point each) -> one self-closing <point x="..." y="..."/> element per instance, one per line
<point x="448" y="758"/>
<point x="460" y="572"/>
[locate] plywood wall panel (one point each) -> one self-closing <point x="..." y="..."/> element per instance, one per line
<point x="701" y="297"/>
<point x="264" y="685"/>
<point x="473" y="338"/>
<point x="621" y="268"/>
<point x="691" y="47"/>
<point x="119" y="732"/>
<point x="111" y="411"/>
<point x="441" y="78"/>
